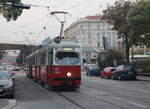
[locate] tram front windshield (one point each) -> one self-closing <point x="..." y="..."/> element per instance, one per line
<point x="67" y="58"/>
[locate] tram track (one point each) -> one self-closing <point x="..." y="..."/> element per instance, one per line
<point x="70" y="100"/>
<point x="105" y="101"/>
<point x="77" y="104"/>
<point x="47" y="91"/>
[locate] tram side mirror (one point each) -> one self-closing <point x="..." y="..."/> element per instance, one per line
<point x="57" y="39"/>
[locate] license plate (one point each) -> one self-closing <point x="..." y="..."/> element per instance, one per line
<point x="1" y="90"/>
<point x="69" y="83"/>
<point x="130" y="73"/>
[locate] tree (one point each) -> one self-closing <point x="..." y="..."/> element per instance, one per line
<point x="117" y="14"/>
<point x="24" y="52"/>
<point x="139" y="20"/>
<point x="8" y="11"/>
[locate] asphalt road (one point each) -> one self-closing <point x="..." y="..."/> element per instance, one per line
<point x="94" y="93"/>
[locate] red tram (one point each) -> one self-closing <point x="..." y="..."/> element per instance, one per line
<point x="57" y="64"/>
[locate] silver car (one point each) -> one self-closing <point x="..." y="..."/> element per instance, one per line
<point x="7" y="84"/>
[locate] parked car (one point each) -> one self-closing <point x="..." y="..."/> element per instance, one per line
<point x="7" y="84"/>
<point x="93" y="70"/>
<point x="107" y="72"/>
<point x="9" y="67"/>
<point x="16" y="68"/>
<point x="124" y="72"/>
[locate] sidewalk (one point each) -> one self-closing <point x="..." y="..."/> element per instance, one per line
<point x="143" y="78"/>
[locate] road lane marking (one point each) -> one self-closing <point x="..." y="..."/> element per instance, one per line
<point x="117" y="98"/>
<point x="12" y="103"/>
<point x="137" y="104"/>
<point x="143" y="91"/>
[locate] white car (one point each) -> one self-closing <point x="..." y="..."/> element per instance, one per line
<point x="9" y="67"/>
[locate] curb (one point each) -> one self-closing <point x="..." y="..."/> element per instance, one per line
<point x="12" y="104"/>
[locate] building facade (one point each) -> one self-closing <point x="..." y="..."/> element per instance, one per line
<point x="93" y="33"/>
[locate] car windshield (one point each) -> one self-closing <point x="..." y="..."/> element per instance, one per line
<point x="94" y="67"/>
<point x="67" y="58"/>
<point x="130" y="68"/>
<point x="5" y="75"/>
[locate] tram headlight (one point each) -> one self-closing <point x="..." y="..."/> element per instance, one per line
<point x="69" y="74"/>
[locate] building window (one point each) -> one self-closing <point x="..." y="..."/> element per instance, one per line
<point x="98" y="26"/>
<point x="113" y="34"/>
<point x="98" y="44"/>
<point x="89" y="26"/>
<point x="81" y="26"/>
<point x="98" y="36"/>
<point x="103" y="34"/>
<point x="103" y="25"/>
<point x="89" y="35"/>
<point x="109" y="27"/>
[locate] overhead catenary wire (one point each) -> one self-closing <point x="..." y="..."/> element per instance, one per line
<point x="79" y="4"/>
<point x="44" y="27"/>
<point x="61" y="5"/>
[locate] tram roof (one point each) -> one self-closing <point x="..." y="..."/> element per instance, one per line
<point x="63" y="43"/>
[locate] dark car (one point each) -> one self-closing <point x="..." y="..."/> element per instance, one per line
<point x="7" y="85"/>
<point x="93" y="70"/>
<point x="123" y="72"/>
<point x="107" y="72"/>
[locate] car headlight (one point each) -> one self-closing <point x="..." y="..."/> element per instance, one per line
<point x="9" y="85"/>
<point x="69" y="74"/>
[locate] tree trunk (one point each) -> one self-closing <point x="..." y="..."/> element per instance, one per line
<point x="127" y="48"/>
<point x="127" y="54"/>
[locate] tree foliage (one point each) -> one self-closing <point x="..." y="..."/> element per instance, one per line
<point x="117" y="14"/>
<point x="9" y="12"/>
<point x="24" y="52"/>
<point x="139" y="20"/>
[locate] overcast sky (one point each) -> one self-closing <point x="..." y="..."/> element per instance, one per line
<point x="29" y="26"/>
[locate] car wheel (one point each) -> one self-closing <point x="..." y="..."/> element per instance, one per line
<point x="134" y="78"/>
<point x="101" y="77"/>
<point x="12" y="95"/>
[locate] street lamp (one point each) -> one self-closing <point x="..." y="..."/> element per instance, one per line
<point x="22" y="6"/>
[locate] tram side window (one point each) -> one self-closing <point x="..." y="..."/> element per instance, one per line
<point x="33" y="61"/>
<point x="50" y="59"/>
<point x="43" y="58"/>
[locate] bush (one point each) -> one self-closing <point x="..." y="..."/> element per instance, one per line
<point x="143" y="64"/>
<point x="106" y="58"/>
